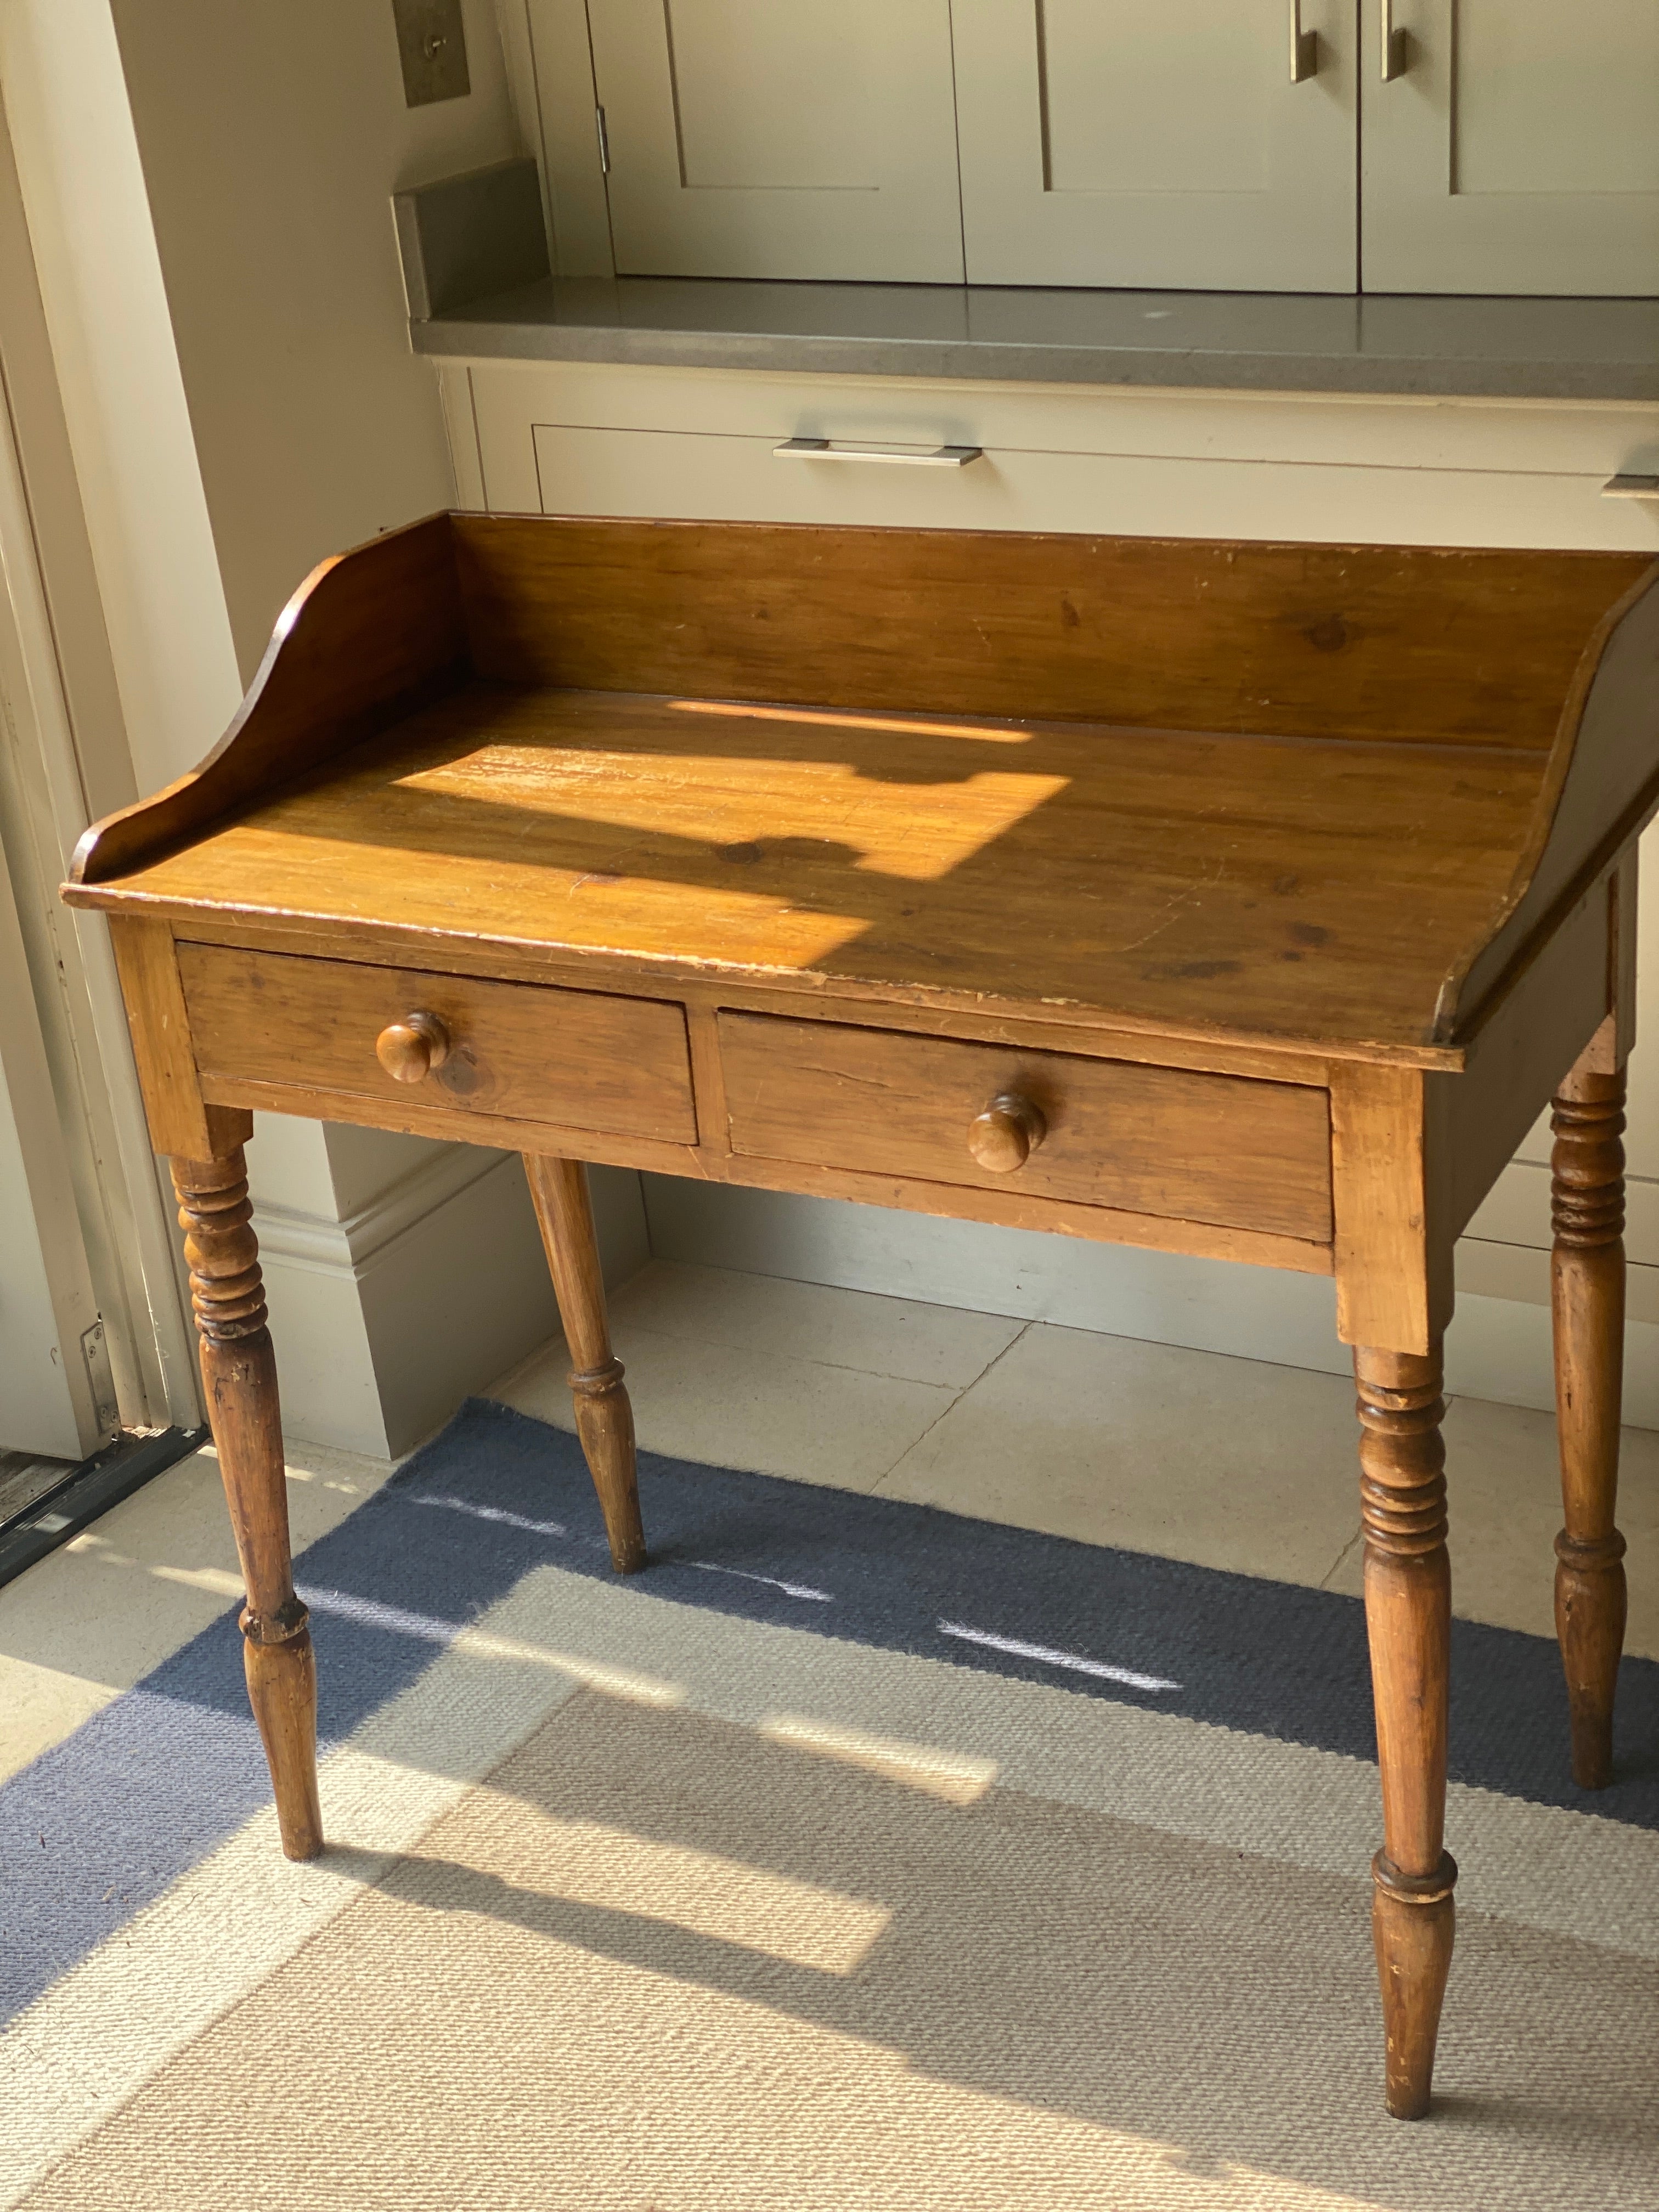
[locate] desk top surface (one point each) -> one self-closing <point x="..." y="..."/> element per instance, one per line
<point x="1239" y="885"/>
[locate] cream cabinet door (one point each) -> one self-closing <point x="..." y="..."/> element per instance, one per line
<point x="1515" y="148"/>
<point x="780" y="138"/>
<point x="1169" y="143"/>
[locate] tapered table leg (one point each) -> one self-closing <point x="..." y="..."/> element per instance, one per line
<point x="1409" y="1619"/>
<point x="1587" y="1272"/>
<point x="604" y="1419"/>
<point x="239" y="1372"/>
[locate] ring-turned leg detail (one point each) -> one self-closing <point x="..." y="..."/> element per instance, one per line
<point x="604" y="1419"/>
<point x="1409" y="1619"/>
<point x="1587" y="1276"/>
<point x="239" y="1374"/>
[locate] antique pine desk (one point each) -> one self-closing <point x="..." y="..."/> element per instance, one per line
<point x="1243" y="900"/>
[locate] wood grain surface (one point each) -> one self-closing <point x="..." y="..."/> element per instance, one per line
<point x="1402" y="1501"/>
<point x="1587" y="1274"/>
<point x="1294" y="641"/>
<point x="577" y="1057"/>
<point x="1151" y="1140"/>
<point x="1241" y="886"/>
<point x="366" y="637"/>
<point x="605" y="1417"/>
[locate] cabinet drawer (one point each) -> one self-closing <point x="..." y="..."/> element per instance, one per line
<point x="1157" y="1140"/>
<point x="700" y="476"/>
<point x="525" y="1050"/>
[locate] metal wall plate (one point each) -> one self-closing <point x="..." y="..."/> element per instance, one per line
<point x="95" y="1350"/>
<point x="432" y="47"/>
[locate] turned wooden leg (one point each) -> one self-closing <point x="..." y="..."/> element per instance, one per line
<point x="1403" y="1493"/>
<point x="1587" y="1276"/>
<point x="604" y="1419"/>
<point x="239" y="1372"/>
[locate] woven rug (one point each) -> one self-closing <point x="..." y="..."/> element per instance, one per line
<point x="855" y="1855"/>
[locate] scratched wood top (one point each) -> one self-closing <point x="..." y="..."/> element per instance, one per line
<point x="1235" y="885"/>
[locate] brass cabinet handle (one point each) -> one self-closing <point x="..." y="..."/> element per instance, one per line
<point x="1005" y="1136"/>
<point x="409" y="1049"/>
<point x="1304" y="48"/>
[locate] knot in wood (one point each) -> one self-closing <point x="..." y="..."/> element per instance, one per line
<point x="596" y="1381"/>
<point x="1415" y="1888"/>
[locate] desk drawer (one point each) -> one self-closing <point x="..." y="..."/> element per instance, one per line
<point x="528" y="1051"/>
<point x="1157" y="1140"/>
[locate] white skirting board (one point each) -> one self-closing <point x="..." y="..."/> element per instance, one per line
<point x="1498" y="1347"/>
<point x="384" y="1322"/>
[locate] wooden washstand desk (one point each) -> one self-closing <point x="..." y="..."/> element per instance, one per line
<point x="1243" y="899"/>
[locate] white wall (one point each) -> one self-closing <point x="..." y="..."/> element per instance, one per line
<point x="208" y="192"/>
<point x="272" y="139"/>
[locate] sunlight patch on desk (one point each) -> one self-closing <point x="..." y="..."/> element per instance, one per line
<point x="817" y="816"/>
<point x="1007" y="734"/>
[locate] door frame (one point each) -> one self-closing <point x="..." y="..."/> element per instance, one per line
<point x="64" y="760"/>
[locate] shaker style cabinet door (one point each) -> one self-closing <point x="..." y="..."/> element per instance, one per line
<point x="782" y="139"/>
<point x="1169" y="144"/>
<point x="1512" y="146"/>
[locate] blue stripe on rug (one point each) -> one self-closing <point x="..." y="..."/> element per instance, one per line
<point x="107" y="1820"/>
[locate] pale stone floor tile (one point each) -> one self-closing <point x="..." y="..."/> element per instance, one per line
<point x="1226" y="1462"/>
<point x="729" y="1406"/>
<point x="1504" y="1502"/>
<point x="770" y="1313"/>
<point x="119" y="1599"/>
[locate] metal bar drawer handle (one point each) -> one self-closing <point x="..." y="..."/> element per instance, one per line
<point x="1304" y="48"/>
<point x="1396" y="47"/>
<point x="1631" y="487"/>
<point x="913" y="457"/>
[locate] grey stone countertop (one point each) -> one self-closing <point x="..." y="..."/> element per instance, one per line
<point x="1606" y="349"/>
<point x="476" y="269"/>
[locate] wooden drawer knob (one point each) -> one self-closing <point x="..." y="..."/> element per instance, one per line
<point x="1005" y="1136"/>
<point x="412" y="1047"/>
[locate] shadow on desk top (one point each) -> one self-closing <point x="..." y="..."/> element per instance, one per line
<point x="1293" y="793"/>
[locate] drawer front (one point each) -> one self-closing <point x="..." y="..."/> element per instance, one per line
<point x="702" y="476"/>
<point x="1156" y="1140"/>
<point x="525" y="1050"/>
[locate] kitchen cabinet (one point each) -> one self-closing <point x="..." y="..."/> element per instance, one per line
<point x="777" y="139"/>
<point x="1191" y="144"/>
<point x="1514" y="147"/>
<point x="1411" y="146"/>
